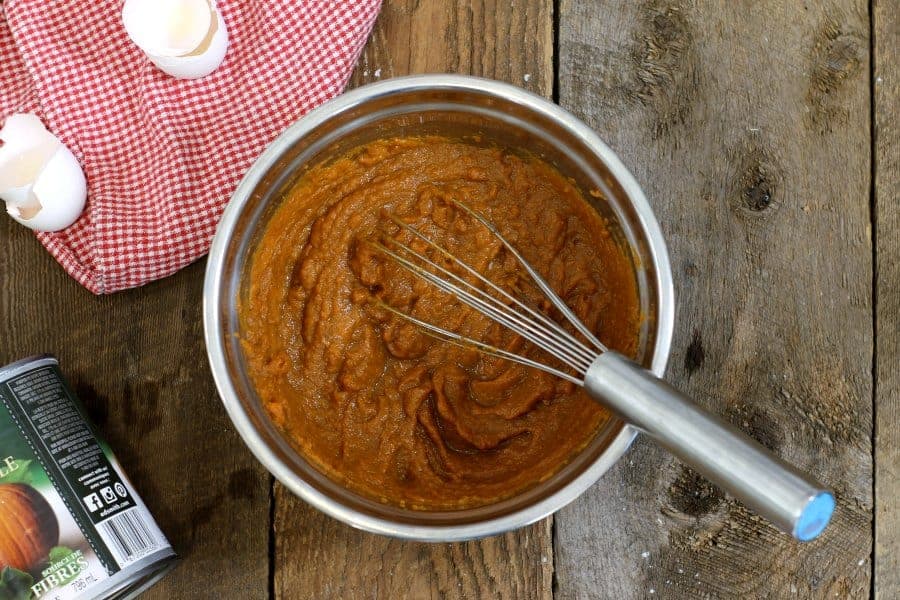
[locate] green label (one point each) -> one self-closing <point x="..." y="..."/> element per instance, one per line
<point x="49" y="419"/>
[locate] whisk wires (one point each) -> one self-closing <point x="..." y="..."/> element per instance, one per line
<point x="495" y="303"/>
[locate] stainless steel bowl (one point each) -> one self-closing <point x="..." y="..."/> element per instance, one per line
<point x="452" y="106"/>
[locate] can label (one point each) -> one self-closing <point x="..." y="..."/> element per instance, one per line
<point x="71" y="524"/>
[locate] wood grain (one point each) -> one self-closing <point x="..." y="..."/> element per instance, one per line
<point x="137" y="361"/>
<point x="749" y="131"/>
<point x="318" y="557"/>
<point x="321" y="557"/>
<point x="511" y="41"/>
<point x="886" y="20"/>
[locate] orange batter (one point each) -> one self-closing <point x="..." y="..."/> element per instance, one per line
<point x="388" y="411"/>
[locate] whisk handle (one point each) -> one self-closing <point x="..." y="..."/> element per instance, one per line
<point x="738" y="464"/>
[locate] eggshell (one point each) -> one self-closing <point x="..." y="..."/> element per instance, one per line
<point x="27" y="147"/>
<point x="40" y="180"/>
<point x="58" y="195"/>
<point x="202" y="61"/>
<point x="167" y="27"/>
<point x="186" y="39"/>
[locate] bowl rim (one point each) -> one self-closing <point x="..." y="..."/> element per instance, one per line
<point x="215" y="273"/>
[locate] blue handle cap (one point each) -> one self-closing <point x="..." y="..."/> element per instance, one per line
<point x="814" y="517"/>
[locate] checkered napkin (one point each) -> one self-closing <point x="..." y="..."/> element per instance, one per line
<point x="161" y="155"/>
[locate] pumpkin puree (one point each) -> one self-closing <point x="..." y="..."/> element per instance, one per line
<point x="374" y="403"/>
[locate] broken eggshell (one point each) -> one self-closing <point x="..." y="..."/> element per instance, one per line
<point x="40" y="179"/>
<point x="186" y="39"/>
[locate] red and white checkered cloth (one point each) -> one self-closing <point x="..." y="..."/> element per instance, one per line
<point x="161" y="155"/>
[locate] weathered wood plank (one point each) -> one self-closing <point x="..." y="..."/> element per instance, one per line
<point x="136" y="360"/>
<point x="323" y="558"/>
<point x="511" y="41"/>
<point x="886" y="20"/>
<point x="749" y="129"/>
<point x="318" y="557"/>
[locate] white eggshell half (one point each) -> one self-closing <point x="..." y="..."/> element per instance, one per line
<point x="61" y="192"/>
<point x="18" y="196"/>
<point x="26" y="148"/>
<point x="22" y="130"/>
<point x="167" y="27"/>
<point x="202" y="61"/>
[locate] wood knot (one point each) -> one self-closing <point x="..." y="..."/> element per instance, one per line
<point x="756" y="182"/>
<point x="664" y="63"/>
<point x="835" y="59"/>
<point x="695" y="355"/>
<point x="757" y="194"/>
<point x="693" y="495"/>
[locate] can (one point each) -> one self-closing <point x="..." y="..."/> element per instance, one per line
<point x="71" y="524"/>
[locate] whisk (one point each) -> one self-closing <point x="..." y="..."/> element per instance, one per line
<point x="721" y="452"/>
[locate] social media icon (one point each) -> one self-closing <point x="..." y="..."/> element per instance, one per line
<point x="108" y="494"/>
<point x="93" y="502"/>
<point x="120" y="490"/>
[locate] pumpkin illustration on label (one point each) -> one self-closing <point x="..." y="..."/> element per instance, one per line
<point x="28" y="527"/>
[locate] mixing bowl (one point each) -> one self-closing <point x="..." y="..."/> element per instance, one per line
<point x="492" y="113"/>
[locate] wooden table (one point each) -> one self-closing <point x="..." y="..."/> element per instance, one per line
<point x="766" y="137"/>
